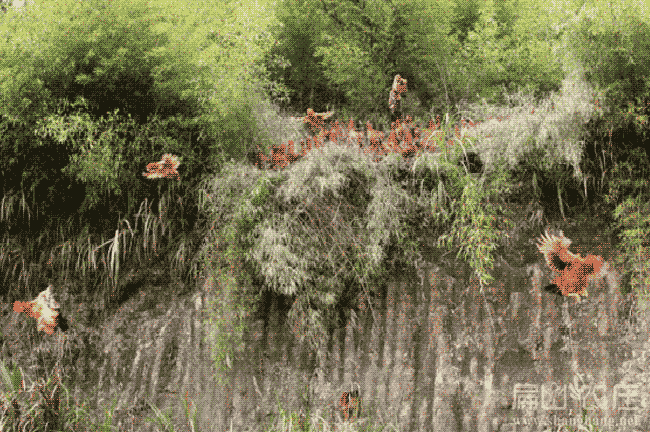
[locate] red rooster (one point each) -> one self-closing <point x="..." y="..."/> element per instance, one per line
<point x="574" y="271"/>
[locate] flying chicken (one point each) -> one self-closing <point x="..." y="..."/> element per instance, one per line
<point x="574" y="271"/>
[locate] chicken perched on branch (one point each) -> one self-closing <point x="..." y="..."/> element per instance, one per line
<point x="574" y="271"/>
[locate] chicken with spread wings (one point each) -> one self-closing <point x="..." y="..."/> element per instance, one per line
<point x="574" y="271"/>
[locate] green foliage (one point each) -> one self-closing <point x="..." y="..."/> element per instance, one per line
<point x="12" y="378"/>
<point x="229" y="314"/>
<point x="262" y="190"/>
<point x="478" y="222"/>
<point x="428" y="53"/>
<point x="629" y="178"/>
<point x="466" y="14"/>
<point x="190" y="82"/>
<point x="629" y="190"/>
<point x="613" y="44"/>
<point x="230" y="243"/>
<point x="451" y="52"/>
<point x="174" y="65"/>
<point x="343" y="52"/>
<point x="321" y="230"/>
<point x="377" y="39"/>
<point x="467" y="207"/>
<point x="93" y="91"/>
<point x="291" y="60"/>
<point x="85" y="52"/>
<point x="280" y="232"/>
<point x="96" y="164"/>
<point x="633" y="219"/>
<point x="506" y="54"/>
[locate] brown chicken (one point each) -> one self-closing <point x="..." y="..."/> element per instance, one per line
<point x="574" y="271"/>
<point x="166" y="168"/>
<point x="350" y="404"/>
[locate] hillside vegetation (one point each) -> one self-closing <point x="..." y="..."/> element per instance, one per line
<point x="555" y="96"/>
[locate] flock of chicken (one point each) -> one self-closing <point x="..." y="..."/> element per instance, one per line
<point x="573" y="271"/>
<point x="402" y="127"/>
<point x="353" y="133"/>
